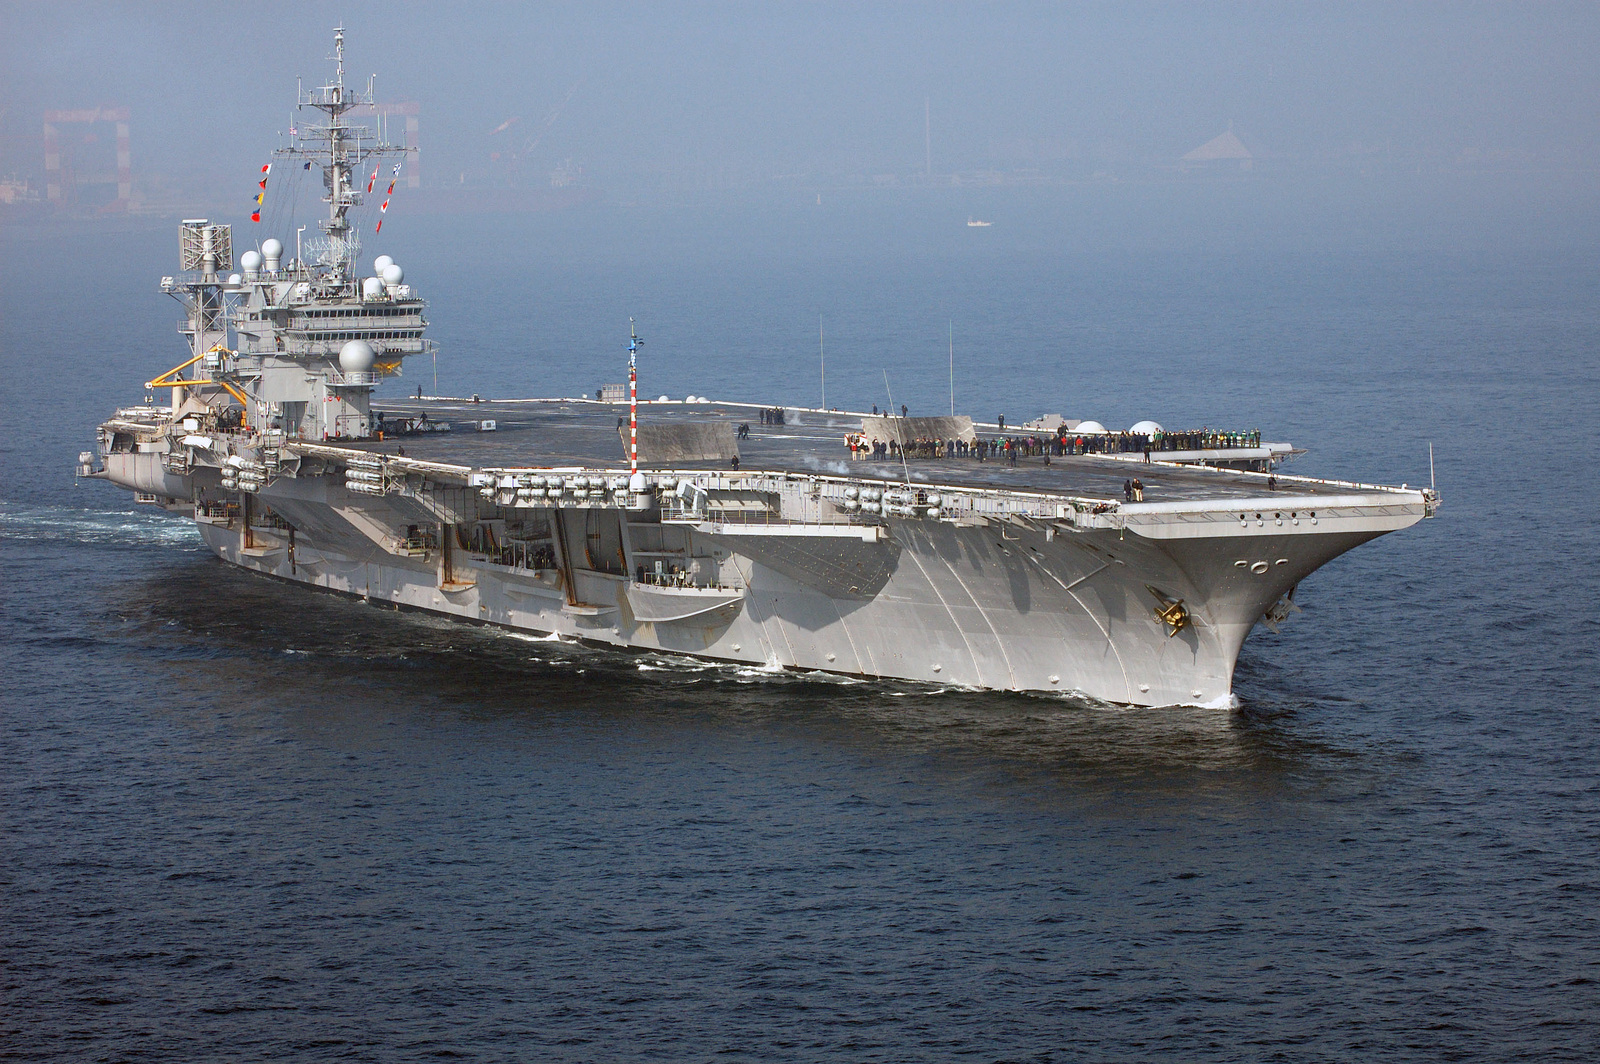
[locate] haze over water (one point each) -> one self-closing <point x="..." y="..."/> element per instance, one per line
<point x="245" y="820"/>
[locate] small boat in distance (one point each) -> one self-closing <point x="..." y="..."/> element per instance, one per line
<point x="973" y="223"/>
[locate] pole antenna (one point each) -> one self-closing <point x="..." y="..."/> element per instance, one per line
<point x="634" y="343"/>
<point x="927" y="136"/>
<point x="1431" y="483"/>
<point x="822" y="361"/>
<point x="899" y="430"/>
<point x="952" y="367"/>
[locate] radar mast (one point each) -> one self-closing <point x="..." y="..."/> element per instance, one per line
<point x="338" y="148"/>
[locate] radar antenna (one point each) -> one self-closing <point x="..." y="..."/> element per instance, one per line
<point x="338" y="148"/>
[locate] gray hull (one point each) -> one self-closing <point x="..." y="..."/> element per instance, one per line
<point x="1000" y="604"/>
<point x="987" y="565"/>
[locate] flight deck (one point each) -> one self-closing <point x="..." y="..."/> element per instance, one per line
<point x="556" y="433"/>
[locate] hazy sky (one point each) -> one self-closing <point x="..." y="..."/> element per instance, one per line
<point x="772" y="88"/>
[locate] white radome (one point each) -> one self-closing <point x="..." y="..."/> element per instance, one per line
<point x="250" y="261"/>
<point x="1090" y="428"/>
<point x="1146" y="428"/>
<point x="381" y="263"/>
<point x="356" y="356"/>
<point x="273" y="248"/>
<point x="372" y="288"/>
<point x="393" y="274"/>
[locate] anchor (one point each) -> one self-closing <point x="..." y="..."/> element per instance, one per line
<point x="1170" y="611"/>
<point x="1279" y="612"/>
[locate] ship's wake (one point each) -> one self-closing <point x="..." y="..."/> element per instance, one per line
<point x="99" y="526"/>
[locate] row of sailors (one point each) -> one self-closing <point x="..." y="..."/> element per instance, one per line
<point x="1196" y="440"/>
<point x="1011" y="447"/>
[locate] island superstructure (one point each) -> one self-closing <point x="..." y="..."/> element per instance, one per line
<point x="746" y="534"/>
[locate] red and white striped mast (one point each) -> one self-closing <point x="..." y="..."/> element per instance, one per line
<point x="633" y="404"/>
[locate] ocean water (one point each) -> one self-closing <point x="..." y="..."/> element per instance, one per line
<point x="246" y="821"/>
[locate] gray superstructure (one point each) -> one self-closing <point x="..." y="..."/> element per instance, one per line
<point x="1038" y="575"/>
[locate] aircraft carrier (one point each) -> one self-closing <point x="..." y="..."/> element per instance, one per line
<point x="926" y="549"/>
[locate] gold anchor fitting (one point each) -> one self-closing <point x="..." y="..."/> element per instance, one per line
<point x="1170" y="611"/>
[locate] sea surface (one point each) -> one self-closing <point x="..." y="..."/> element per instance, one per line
<point x="244" y="821"/>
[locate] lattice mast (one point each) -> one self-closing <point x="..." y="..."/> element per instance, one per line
<point x="338" y="148"/>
